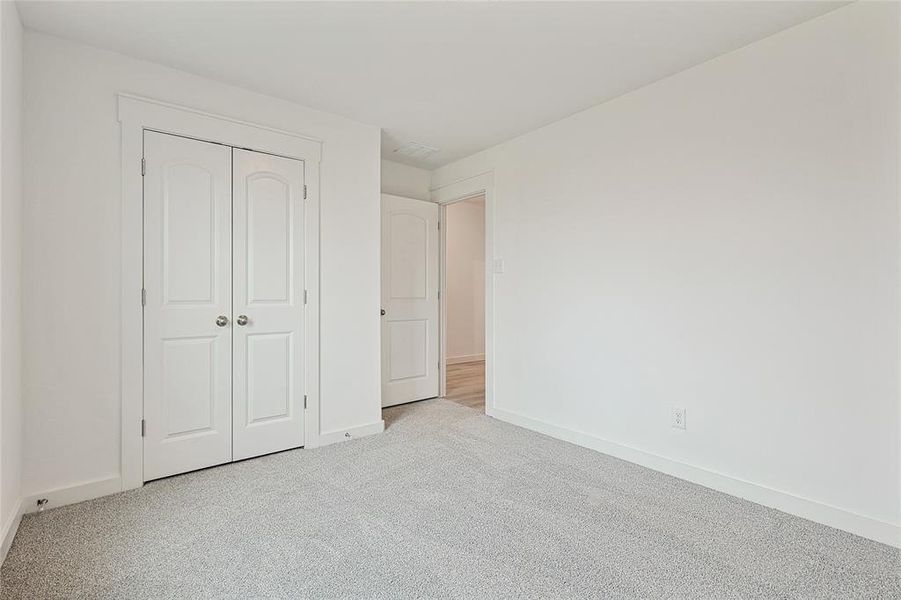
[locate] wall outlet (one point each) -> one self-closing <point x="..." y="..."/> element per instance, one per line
<point x="678" y="417"/>
<point x="498" y="265"/>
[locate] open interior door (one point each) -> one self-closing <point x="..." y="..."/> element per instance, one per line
<point x="409" y="300"/>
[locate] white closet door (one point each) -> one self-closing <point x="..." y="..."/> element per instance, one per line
<point x="409" y="300"/>
<point x="188" y="283"/>
<point x="268" y="303"/>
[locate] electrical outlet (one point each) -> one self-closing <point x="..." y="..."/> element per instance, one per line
<point x="678" y="417"/>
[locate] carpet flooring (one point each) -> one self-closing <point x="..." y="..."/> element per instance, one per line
<point x="447" y="503"/>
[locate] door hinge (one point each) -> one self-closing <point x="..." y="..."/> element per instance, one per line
<point x="439" y="294"/>
<point x="439" y="225"/>
<point x="304" y="191"/>
<point x="143" y="167"/>
<point x="143" y="297"/>
<point x="143" y="428"/>
<point x="304" y="401"/>
<point x="304" y="296"/>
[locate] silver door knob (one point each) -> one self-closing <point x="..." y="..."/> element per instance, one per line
<point x="241" y="320"/>
<point x="221" y="320"/>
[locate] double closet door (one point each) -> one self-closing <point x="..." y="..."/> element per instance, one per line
<point x="223" y="304"/>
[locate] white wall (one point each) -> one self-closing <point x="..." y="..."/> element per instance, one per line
<point x="72" y="246"/>
<point x="404" y="180"/>
<point x="10" y="271"/>
<point x="725" y="240"/>
<point x="465" y="285"/>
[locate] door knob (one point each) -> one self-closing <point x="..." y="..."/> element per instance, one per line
<point x="221" y="320"/>
<point x="241" y="320"/>
<point x="383" y="312"/>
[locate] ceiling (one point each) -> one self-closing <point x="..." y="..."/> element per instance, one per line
<point x="456" y="76"/>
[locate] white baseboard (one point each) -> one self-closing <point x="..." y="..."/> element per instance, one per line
<point x="868" y="527"/>
<point x="113" y="485"/>
<point x="466" y="358"/>
<point x="75" y="493"/>
<point x="343" y="435"/>
<point x="8" y="532"/>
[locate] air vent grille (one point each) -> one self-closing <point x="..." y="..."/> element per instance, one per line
<point x="415" y="150"/>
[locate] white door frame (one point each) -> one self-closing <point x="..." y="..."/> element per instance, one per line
<point x="458" y="191"/>
<point x="137" y="114"/>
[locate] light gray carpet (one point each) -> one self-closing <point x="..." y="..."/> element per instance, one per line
<point x="447" y="503"/>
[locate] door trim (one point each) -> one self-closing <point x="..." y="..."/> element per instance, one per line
<point x="464" y="189"/>
<point x="137" y="114"/>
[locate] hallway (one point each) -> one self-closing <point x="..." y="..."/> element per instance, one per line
<point x="466" y="384"/>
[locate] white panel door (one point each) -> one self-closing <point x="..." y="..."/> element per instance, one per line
<point x="268" y="303"/>
<point x="409" y="300"/>
<point x="187" y="316"/>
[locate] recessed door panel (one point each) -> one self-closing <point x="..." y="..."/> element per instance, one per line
<point x="269" y="377"/>
<point x="409" y="256"/>
<point x="269" y="229"/>
<point x="268" y="293"/>
<point x="408" y="342"/>
<point x="189" y="234"/>
<point x="189" y="390"/>
<point x="187" y="278"/>
<point x="409" y="300"/>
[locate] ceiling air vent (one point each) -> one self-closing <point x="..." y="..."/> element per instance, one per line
<point x="415" y="150"/>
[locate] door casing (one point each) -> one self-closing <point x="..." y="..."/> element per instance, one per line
<point x="464" y="189"/>
<point x="137" y="114"/>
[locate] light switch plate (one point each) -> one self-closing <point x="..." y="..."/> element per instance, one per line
<point x="498" y="265"/>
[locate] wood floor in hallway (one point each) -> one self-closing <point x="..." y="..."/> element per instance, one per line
<point x="466" y="384"/>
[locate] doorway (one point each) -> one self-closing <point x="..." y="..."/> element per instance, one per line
<point x="463" y="301"/>
<point x="436" y="299"/>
